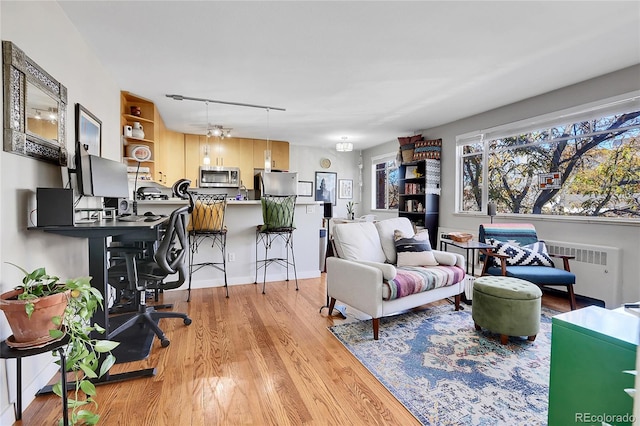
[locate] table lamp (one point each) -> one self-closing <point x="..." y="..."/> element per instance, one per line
<point x="491" y="209"/>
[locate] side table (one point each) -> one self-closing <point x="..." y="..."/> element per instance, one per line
<point x="7" y="352"/>
<point x="466" y="246"/>
<point x="470" y="262"/>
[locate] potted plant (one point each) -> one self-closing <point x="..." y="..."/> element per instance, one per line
<point x="64" y="308"/>
<point x="351" y="210"/>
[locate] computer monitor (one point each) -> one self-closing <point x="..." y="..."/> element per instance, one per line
<point x="101" y="177"/>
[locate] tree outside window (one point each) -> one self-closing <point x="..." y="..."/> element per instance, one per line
<point x="386" y="185"/>
<point x="585" y="168"/>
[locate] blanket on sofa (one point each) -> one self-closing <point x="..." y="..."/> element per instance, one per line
<point x="416" y="279"/>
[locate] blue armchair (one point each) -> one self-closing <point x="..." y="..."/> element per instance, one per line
<point x="518" y="253"/>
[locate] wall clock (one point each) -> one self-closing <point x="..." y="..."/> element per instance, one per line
<point x="325" y="163"/>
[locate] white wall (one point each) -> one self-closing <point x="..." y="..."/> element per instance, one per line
<point x="306" y="161"/>
<point x="44" y="33"/>
<point x="626" y="237"/>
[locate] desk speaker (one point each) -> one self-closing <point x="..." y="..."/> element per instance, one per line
<point x="122" y="205"/>
<point x="55" y="206"/>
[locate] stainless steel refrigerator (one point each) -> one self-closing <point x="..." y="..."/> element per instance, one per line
<point x="276" y="183"/>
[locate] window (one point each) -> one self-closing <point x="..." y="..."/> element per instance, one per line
<point x="385" y="183"/>
<point x="575" y="163"/>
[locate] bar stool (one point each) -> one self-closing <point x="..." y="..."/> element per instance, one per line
<point x="207" y="225"/>
<point x="277" y="214"/>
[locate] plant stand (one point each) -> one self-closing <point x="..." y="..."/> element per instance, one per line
<point x="7" y="352"/>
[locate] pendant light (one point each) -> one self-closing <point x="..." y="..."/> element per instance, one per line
<point x="267" y="151"/>
<point x="207" y="160"/>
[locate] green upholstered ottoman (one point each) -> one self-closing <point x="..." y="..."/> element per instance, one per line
<point x="506" y="306"/>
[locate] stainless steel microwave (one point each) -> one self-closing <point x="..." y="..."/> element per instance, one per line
<point x="219" y="177"/>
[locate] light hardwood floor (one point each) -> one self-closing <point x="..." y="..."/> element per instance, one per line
<point x="251" y="359"/>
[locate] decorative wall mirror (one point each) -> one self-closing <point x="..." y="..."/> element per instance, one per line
<point x="35" y="108"/>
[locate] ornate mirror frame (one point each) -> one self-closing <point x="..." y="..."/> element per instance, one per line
<point x="17" y="70"/>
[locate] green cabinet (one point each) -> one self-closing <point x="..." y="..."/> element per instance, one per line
<point x="590" y="349"/>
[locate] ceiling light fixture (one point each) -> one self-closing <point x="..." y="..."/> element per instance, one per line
<point x="218" y="131"/>
<point x="344" y="146"/>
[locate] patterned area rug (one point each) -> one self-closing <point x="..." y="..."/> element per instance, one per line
<point x="447" y="373"/>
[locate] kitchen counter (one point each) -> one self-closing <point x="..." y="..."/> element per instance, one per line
<point x="241" y="219"/>
<point x="179" y="201"/>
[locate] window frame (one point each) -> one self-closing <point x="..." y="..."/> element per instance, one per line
<point x="382" y="158"/>
<point x="593" y="110"/>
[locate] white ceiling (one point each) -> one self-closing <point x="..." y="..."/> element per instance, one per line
<point x="371" y="71"/>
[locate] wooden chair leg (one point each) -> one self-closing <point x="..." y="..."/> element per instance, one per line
<point x="376" y="328"/>
<point x="456" y="299"/>
<point x="504" y="339"/>
<point x="572" y="297"/>
<point x="332" y="304"/>
<point x="532" y="338"/>
<point x="478" y="328"/>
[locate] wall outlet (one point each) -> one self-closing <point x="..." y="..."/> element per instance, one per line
<point x="232" y="257"/>
<point x="310" y="209"/>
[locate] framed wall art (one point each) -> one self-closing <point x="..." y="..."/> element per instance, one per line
<point x="305" y="188"/>
<point x="345" y="188"/>
<point x="88" y="130"/>
<point x="326" y="187"/>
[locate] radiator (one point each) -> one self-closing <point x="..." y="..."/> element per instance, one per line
<point x="597" y="268"/>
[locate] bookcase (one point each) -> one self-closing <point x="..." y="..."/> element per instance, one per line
<point x="146" y="170"/>
<point x="419" y="194"/>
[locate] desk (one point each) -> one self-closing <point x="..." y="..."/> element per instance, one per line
<point x="97" y="234"/>
<point x="466" y="246"/>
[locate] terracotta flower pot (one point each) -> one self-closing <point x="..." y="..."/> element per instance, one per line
<point x="35" y="329"/>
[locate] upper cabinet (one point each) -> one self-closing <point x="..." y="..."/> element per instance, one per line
<point x="279" y="154"/>
<point x="246" y="154"/>
<point x="170" y="156"/>
<point x="139" y="121"/>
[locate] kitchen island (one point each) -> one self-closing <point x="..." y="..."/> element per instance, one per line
<point x="241" y="219"/>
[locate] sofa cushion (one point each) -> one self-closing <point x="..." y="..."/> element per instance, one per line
<point x="386" y="229"/>
<point x="414" y="250"/>
<point x="416" y="279"/>
<point x="357" y="241"/>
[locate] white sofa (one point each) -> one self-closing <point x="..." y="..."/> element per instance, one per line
<point x="364" y="265"/>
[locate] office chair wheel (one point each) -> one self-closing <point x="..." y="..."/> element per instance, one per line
<point x="187" y="321"/>
<point x="164" y="343"/>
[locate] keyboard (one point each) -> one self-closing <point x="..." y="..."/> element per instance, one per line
<point x="132" y="218"/>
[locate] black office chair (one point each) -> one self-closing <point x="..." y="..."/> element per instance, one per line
<point x="168" y="259"/>
<point x="277" y="213"/>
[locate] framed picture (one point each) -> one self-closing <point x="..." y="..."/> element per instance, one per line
<point x="345" y="188"/>
<point x="88" y="130"/>
<point x="305" y="188"/>
<point x="326" y="187"/>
